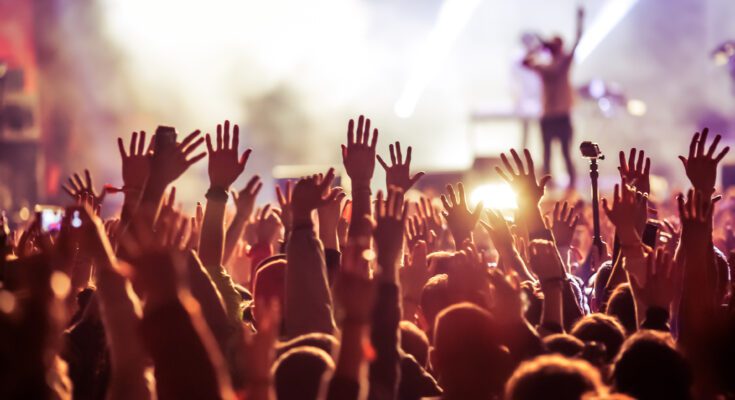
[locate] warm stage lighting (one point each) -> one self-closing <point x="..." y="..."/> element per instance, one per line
<point x="637" y="108"/>
<point x="496" y="195"/>
<point x="611" y="14"/>
<point x="453" y="17"/>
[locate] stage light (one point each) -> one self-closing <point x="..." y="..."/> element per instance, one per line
<point x="637" y="107"/>
<point x="453" y="16"/>
<point x="497" y="195"/>
<point x="611" y="14"/>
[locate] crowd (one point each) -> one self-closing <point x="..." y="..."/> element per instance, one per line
<point x="343" y="295"/>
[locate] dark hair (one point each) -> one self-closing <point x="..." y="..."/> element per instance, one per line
<point x="299" y="372"/>
<point x="601" y="328"/>
<point x="649" y="367"/>
<point x="469" y="358"/>
<point x="553" y="377"/>
<point x="564" y="344"/>
<point x="415" y="342"/>
<point x="622" y="307"/>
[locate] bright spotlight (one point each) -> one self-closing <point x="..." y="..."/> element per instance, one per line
<point x="453" y="16"/>
<point x="497" y="195"/>
<point x="636" y="107"/>
<point x="611" y="14"/>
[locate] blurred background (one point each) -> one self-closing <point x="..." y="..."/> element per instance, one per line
<point x="440" y="75"/>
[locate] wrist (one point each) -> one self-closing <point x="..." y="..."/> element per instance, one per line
<point x="217" y="193"/>
<point x="361" y="183"/>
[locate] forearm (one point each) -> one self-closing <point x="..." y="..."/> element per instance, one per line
<point x="233" y="235"/>
<point x="552" y="319"/>
<point x="308" y="303"/>
<point x="512" y="259"/>
<point x="211" y="303"/>
<point x="328" y="236"/>
<point x="211" y="247"/>
<point x="351" y="359"/>
<point x="150" y="200"/>
<point x="384" y="370"/>
<point x="360" y="209"/>
<point x="531" y="218"/>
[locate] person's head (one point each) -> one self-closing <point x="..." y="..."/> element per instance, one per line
<point x="298" y="373"/>
<point x="414" y="342"/>
<point x="564" y="344"/>
<point x="553" y="377"/>
<point x="435" y="296"/>
<point x="649" y="367"/>
<point x="622" y="307"/>
<point x="269" y="285"/>
<point x="603" y="329"/>
<point x="467" y="356"/>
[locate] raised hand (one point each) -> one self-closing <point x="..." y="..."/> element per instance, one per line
<point x="390" y="216"/>
<point x="659" y="282"/>
<point x="267" y="226"/>
<point x="544" y="261"/>
<point x="358" y="156"/>
<point x="196" y="227"/>
<point x="398" y="173"/>
<point x="78" y="188"/>
<point x="136" y="163"/>
<point x="170" y="162"/>
<point x="636" y="173"/>
<point x="696" y="213"/>
<point x="626" y="212"/>
<point x="329" y="216"/>
<point x="564" y="221"/>
<point x="701" y="168"/>
<point x="460" y="220"/>
<point x="499" y="231"/>
<point x="224" y="163"/>
<point x="414" y="276"/>
<point x="311" y="193"/>
<point x="524" y="181"/>
<point x="245" y="199"/>
<point x="285" y="202"/>
<point x="430" y="216"/>
<point x="418" y="230"/>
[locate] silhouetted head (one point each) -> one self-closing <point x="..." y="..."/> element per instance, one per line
<point x="435" y="296"/>
<point x="468" y="358"/>
<point x="603" y="329"/>
<point x="553" y="377"/>
<point x="649" y="367"/>
<point x="564" y="344"/>
<point x="299" y="372"/>
<point x="415" y="342"/>
<point x="622" y="307"/>
<point x="269" y="285"/>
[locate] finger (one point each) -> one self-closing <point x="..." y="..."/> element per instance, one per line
<point x="141" y="143"/>
<point x="327" y="182"/>
<point x="366" y="133"/>
<point x="226" y="136"/>
<point x="641" y="158"/>
<point x="88" y="178"/>
<point x="477" y="212"/>
<point x="289" y="190"/>
<point x="529" y="162"/>
<point x="189" y="149"/>
<point x="544" y="180"/>
<point x="693" y="146"/>
<point x="251" y="183"/>
<point x="172" y="197"/>
<point x="121" y="148"/>
<point x="190" y="138"/>
<point x="683" y="161"/>
<point x="196" y="159"/>
<point x="69" y="191"/>
<point x="133" y="142"/>
<point x="375" y="139"/>
<point x="445" y="203"/>
<point x="360" y="123"/>
<point x="235" y="137"/>
<point x="722" y="154"/>
<point x="702" y="141"/>
<point x="556" y="213"/>
<point x="647" y="167"/>
<point x="415" y="178"/>
<point x="245" y="156"/>
<point x="462" y="198"/>
<point x="623" y="166"/>
<point x="408" y="155"/>
<point x="452" y="195"/>
<point x="563" y="214"/>
<point x="378" y="204"/>
<point x="219" y="137"/>
<point x="519" y="163"/>
<point x="392" y="151"/>
<point x="399" y="153"/>
<point x="502" y="175"/>
<point x="78" y="180"/>
<point x="631" y="160"/>
<point x="279" y="196"/>
<point x="149" y="149"/>
<point x="264" y="211"/>
<point x="507" y="165"/>
<point x="350" y="133"/>
<point x="606" y="207"/>
<point x="382" y="163"/>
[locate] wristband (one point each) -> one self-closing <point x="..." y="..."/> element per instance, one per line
<point x="217" y="194"/>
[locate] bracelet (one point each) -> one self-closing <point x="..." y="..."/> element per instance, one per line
<point x="217" y="194"/>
